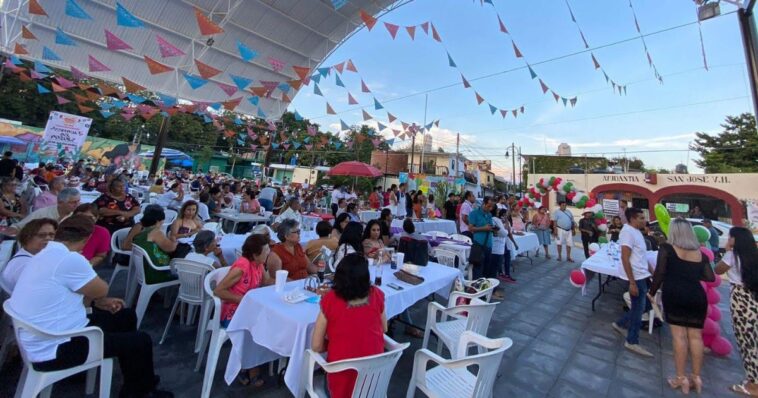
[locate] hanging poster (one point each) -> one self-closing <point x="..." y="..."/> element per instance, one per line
<point x="66" y="132"/>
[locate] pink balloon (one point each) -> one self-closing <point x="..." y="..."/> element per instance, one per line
<point x="716" y="282"/>
<point x="708" y="339"/>
<point x="591" y="202"/>
<point x="714" y="313"/>
<point x="577" y="278"/>
<point x="710" y="327"/>
<point x="713" y="296"/>
<point x="704" y="285"/>
<point x="721" y="346"/>
<point x="707" y="252"/>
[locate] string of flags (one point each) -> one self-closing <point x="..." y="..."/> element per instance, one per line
<point x="644" y="45"/>
<point x="617" y="87"/>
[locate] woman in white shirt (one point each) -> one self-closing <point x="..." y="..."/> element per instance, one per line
<point x="350" y="241"/>
<point x="32" y="239"/>
<point x="740" y="263"/>
<point x="500" y="245"/>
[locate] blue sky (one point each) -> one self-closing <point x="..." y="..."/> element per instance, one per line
<point x="651" y="117"/>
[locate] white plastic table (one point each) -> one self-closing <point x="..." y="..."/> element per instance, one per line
<point x="236" y="218"/>
<point x="265" y="326"/>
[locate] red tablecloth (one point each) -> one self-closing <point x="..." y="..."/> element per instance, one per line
<point x="325" y="216"/>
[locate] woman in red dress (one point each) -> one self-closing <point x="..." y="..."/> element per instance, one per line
<point x="351" y="323"/>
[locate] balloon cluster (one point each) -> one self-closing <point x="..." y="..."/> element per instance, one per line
<point x="712" y="337"/>
<point x="580" y="199"/>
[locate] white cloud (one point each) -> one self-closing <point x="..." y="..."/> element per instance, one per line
<point x="627" y="143"/>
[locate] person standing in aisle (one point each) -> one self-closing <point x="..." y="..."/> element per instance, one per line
<point x="563" y="229"/>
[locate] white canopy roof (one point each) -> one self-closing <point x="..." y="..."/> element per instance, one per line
<point x="297" y="32"/>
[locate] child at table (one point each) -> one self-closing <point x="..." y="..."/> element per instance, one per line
<point x="245" y="274"/>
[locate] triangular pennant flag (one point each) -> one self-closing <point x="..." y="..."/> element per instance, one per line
<point x="167" y="49"/>
<point x="377" y="105"/>
<point x="544" y="87"/>
<point x="298" y="117"/>
<point x="624" y="90"/>
<point x="311" y="130"/>
<point x="565" y="100"/>
<point x="522" y="109"/>
<point x="515" y="112"/>
<point x="37" y="76"/>
<point x="317" y="90"/>
<point x="435" y="35"/>
<point x="80" y="99"/>
<point x="502" y="25"/>
<point x="261" y="114"/>
<point x="41" y="68"/>
<point x="583" y="39"/>
<point x="503" y="113"/>
<point x="232" y="103"/>
<point x="493" y="109"/>
<point x="594" y="61"/>
<point x="227" y="88"/>
<point x="125" y="18"/>
<point x="41" y="89"/>
<point x="24" y="77"/>
<point x="77" y="74"/>
<point x="573" y="101"/>
<point x="50" y="55"/>
<point x="466" y="84"/>
<point x="206" y="71"/>
<point x="114" y="43"/>
<point x="207" y="27"/>
<point x="259" y="91"/>
<point x="425" y="27"/>
<point x="350" y="66"/>
<point x="531" y="72"/>
<point x="324" y="72"/>
<point x="364" y="87"/>
<point x="285" y="98"/>
<point x="58" y="88"/>
<point x="555" y="96"/>
<point x="380" y="126"/>
<point x="246" y="53"/>
<point x="63" y="39"/>
<point x="344" y="126"/>
<point x="92" y="95"/>
<point x="368" y="19"/>
<point x="392" y="29"/>
<point x="308" y="146"/>
<point x="316" y="78"/>
<point x="391" y="117"/>
<point x="277" y="64"/>
<point x="136" y="99"/>
<point x="330" y="110"/>
<point x="411" y="31"/>
<point x="351" y="100"/>
<point x="108" y="90"/>
<point x="74" y="10"/>
<point x="396" y="132"/>
<point x="35" y="8"/>
<point x="15" y="61"/>
<point x="131" y="86"/>
<point x="479" y="98"/>
<point x="156" y="67"/>
<point x="240" y="82"/>
<point x="301" y="71"/>
<point x="27" y="34"/>
<point x="20" y="50"/>
<point x="254" y="100"/>
<point x="85" y="109"/>
<point x="65" y="83"/>
<point x="516" y="50"/>
<point x="339" y="67"/>
<point x="450" y="61"/>
<point x="338" y="81"/>
<point x="366" y="116"/>
<point x="96" y="66"/>
<point x="167" y="100"/>
<point x="106" y="114"/>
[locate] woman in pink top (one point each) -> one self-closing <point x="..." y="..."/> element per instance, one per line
<point x="245" y="274"/>
<point x="99" y="243"/>
<point x="249" y="203"/>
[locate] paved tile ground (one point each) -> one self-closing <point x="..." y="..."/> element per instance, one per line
<point x="561" y="347"/>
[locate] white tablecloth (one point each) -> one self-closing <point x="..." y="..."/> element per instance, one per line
<point x="603" y="263"/>
<point x="526" y="242"/>
<point x="264" y="319"/>
<point x="446" y="226"/>
<point x="243" y="217"/>
<point x="368" y="215"/>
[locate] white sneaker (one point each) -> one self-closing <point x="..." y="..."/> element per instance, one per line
<point x="619" y="329"/>
<point x="638" y="349"/>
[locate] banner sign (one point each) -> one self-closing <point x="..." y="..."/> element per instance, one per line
<point x="66" y="131"/>
<point x="611" y="207"/>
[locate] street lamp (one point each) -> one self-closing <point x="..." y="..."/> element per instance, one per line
<point x="514" y="152"/>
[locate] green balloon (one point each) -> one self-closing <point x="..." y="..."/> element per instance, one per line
<point x="567" y="187"/>
<point x="599" y="215"/>
<point x="602" y="239"/>
<point x="701" y="233"/>
<point x="551" y="181"/>
<point x="663" y="217"/>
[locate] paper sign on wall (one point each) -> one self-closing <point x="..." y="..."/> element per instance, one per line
<point x="611" y="207"/>
<point x="66" y="131"/>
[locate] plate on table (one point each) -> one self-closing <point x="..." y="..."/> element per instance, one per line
<point x="296" y="296"/>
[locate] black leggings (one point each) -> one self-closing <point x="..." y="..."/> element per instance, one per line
<point x="121" y="340"/>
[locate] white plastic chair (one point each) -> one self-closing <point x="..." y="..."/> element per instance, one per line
<point x="117" y="240"/>
<point x="452" y="377"/>
<point x="33" y="382"/>
<point x="211" y="226"/>
<point x="483" y="295"/>
<point x="460" y="238"/>
<point x="448" y="258"/>
<point x="191" y="278"/>
<point x="439" y="234"/>
<point x="203" y="212"/>
<point x="453" y="321"/>
<point x="6" y="326"/>
<point x="170" y="216"/>
<point x="210" y="318"/>
<point x="139" y="260"/>
<point x="374" y="372"/>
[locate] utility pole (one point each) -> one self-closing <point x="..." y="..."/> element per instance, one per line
<point x="457" y="154"/>
<point x="747" y="27"/>
<point x="386" y="163"/>
<point x="162" y="137"/>
<point x="513" y="166"/>
<point x="413" y="148"/>
<point x="423" y="137"/>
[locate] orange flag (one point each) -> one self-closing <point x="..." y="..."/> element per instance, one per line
<point x="206" y="71"/>
<point x="368" y="19"/>
<point x="35" y="8"/>
<point x="259" y="91"/>
<point x="107" y="89"/>
<point x="301" y="71"/>
<point x="350" y="66"/>
<point x="85" y="109"/>
<point x="92" y="96"/>
<point x="131" y="86"/>
<point x="57" y="88"/>
<point x="207" y="27"/>
<point x="232" y="103"/>
<point x="479" y="98"/>
<point x="24" y="77"/>
<point x="20" y="50"/>
<point x="392" y="29"/>
<point x="156" y="67"/>
<point x="27" y="34"/>
<point x="435" y="35"/>
<point x="296" y="84"/>
<point x="516" y="50"/>
<point x="285" y="98"/>
<point x="411" y="31"/>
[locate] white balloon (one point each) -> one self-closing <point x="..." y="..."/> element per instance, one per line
<point x="597" y="208"/>
<point x="602" y="227"/>
<point x="594" y="247"/>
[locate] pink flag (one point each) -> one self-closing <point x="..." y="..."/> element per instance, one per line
<point x="366" y="116"/>
<point x="504" y="113"/>
<point x="391" y="117"/>
<point x="311" y="130"/>
<point x="425" y="27"/>
<point x="411" y="31"/>
<point x="392" y="28"/>
<point x="114" y="43"/>
<point x="351" y="100"/>
<point x="167" y="49"/>
<point x="77" y="74"/>
<point x="227" y="88"/>
<point x="544" y="86"/>
<point x="64" y="82"/>
<point x="97" y="66"/>
<point x="276" y="63"/>
<point x="364" y="87"/>
<point x="62" y="100"/>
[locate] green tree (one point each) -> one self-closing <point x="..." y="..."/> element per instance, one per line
<point x="734" y="150"/>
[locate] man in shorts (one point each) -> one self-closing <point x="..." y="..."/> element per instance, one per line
<point x="563" y="229"/>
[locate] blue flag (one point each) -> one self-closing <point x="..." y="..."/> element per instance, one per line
<point x="377" y="105"/>
<point x="125" y="18"/>
<point x="39" y="67"/>
<point x="240" y="82"/>
<point x="246" y="53"/>
<point x="62" y="38"/>
<point x="50" y="55"/>
<point x="255" y="100"/>
<point x="338" y="81"/>
<point x="41" y="89"/>
<point x="194" y="81"/>
<point x="75" y="10"/>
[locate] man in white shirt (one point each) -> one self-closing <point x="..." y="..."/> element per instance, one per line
<point x="466" y="208"/>
<point x="292" y="213"/>
<point x="634" y="270"/>
<point x="336" y="196"/>
<point x="68" y="200"/>
<point x="52" y="292"/>
<point x="207" y="250"/>
<point x="267" y="198"/>
<point x="563" y="229"/>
